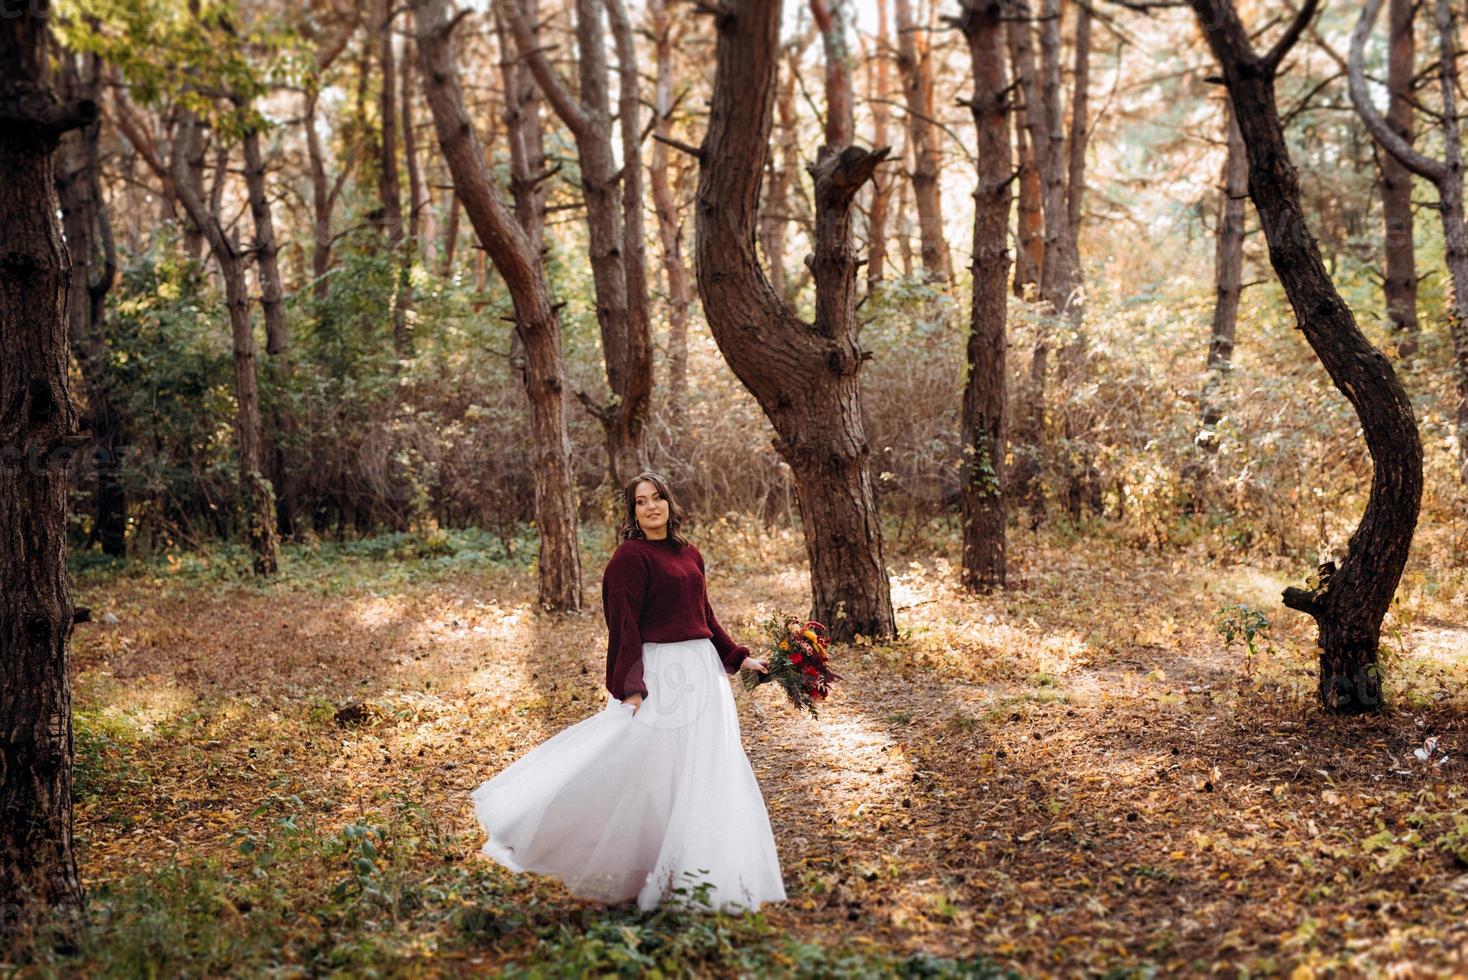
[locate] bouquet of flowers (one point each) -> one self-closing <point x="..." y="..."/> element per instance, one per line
<point x="797" y="661"/>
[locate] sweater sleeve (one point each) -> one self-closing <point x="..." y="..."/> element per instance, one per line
<point x="623" y="589"/>
<point x="730" y="653"/>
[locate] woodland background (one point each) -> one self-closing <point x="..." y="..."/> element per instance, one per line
<point x="1114" y="765"/>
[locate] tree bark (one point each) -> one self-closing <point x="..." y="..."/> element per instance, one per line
<point x="1350" y="601"/>
<point x="1446" y="175"/>
<point x="38" y="433"/>
<point x="93" y="272"/>
<point x="536" y="317"/>
<point x="1400" y="283"/>
<point x="670" y="226"/>
<point x="805" y="376"/>
<point x="914" y="61"/>
<point x="1228" y="269"/>
<point x="625" y="328"/>
<point x="981" y="496"/>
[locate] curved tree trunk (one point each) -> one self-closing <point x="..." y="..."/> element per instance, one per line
<point x="805" y="376"/>
<point x="981" y="496"/>
<point x="38" y="433"/>
<point x="536" y="318"/>
<point x="1350" y="601"/>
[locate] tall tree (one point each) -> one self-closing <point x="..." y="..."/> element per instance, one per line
<point x="1029" y="424"/>
<point x="537" y="319"/>
<point x="388" y="186"/>
<point x="981" y="495"/>
<point x="1060" y="272"/>
<point x="665" y="200"/>
<point x="1228" y="277"/>
<point x="93" y="272"/>
<point x="915" y="62"/>
<point x="1400" y="282"/>
<point x="1350" y="601"/>
<point x="38" y="433"/>
<point x="619" y="276"/>
<point x="879" y="87"/>
<point x="805" y="376"/>
<point x="1031" y="233"/>
<point x="256" y="493"/>
<point x="1446" y="174"/>
<point x="324" y="192"/>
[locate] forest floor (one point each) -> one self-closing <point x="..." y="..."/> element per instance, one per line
<point x="1076" y="776"/>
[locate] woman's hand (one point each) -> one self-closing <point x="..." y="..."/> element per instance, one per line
<point x="635" y="700"/>
<point x="754" y="664"/>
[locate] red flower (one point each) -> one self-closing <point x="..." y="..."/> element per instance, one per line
<point x="796" y="658"/>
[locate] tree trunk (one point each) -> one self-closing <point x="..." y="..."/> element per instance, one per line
<point x="387" y="183"/>
<point x="625" y="328"/>
<point x="1031" y="231"/>
<point x="914" y="61"/>
<point x="639" y="381"/>
<point x="670" y="227"/>
<point x="879" y="84"/>
<point x="267" y="264"/>
<point x="784" y="172"/>
<point x="321" y="203"/>
<point x="1446" y="175"/>
<point x="1396" y="184"/>
<point x="1349" y="602"/>
<point x="1029" y="430"/>
<point x="536" y="318"/>
<point x="38" y="434"/>
<point x="272" y="305"/>
<point x="981" y="496"/>
<point x="256" y="494"/>
<point x="1080" y="108"/>
<point x="420" y="205"/>
<point x="93" y="271"/>
<point x="1228" y="277"/>
<point x="1060" y="279"/>
<point x="840" y="103"/>
<point x="805" y="376"/>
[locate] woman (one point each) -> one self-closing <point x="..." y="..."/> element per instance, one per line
<point x="652" y="799"/>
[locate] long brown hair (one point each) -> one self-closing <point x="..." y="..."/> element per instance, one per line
<point x="676" y="514"/>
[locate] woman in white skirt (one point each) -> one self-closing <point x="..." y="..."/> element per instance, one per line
<point x="651" y="800"/>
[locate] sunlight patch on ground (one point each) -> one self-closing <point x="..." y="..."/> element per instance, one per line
<point x="139" y="705"/>
<point x="374" y="611"/>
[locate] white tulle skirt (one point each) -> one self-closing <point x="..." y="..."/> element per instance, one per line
<point x="622" y="806"/>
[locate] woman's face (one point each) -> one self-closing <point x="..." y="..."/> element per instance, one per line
<point x="652" y="510"/>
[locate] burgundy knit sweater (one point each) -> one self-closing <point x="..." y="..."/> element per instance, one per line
<point x="654" y="592"/>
